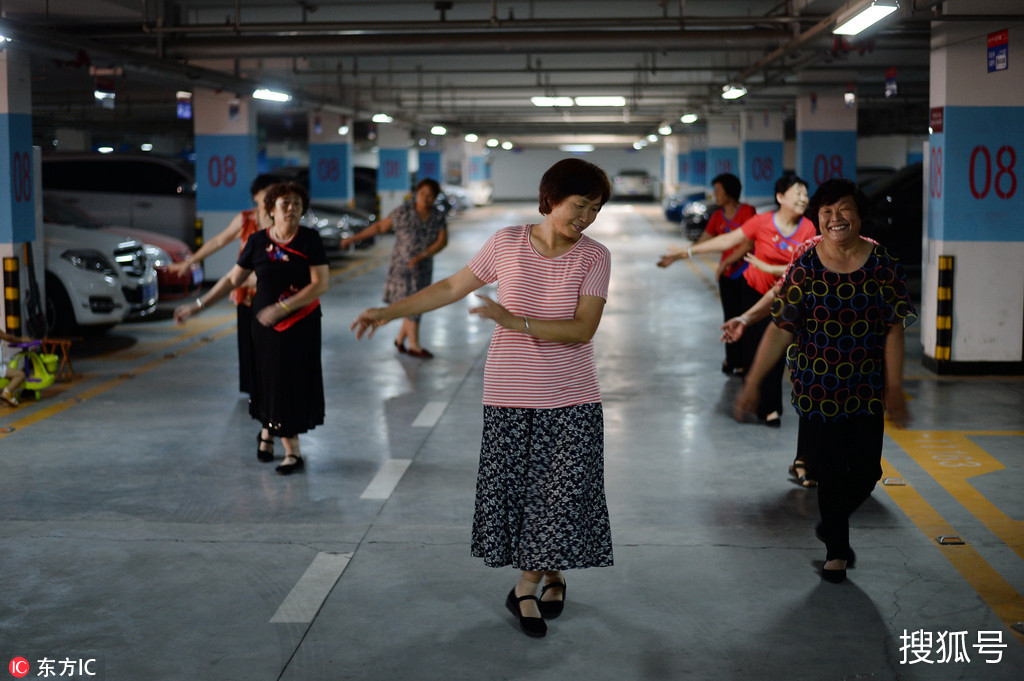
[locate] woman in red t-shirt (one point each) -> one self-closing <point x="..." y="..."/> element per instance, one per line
<point x="731" y="214"/>
<point x="774" y="236"/>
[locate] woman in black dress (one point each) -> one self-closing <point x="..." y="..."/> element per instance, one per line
<point x="291" y="269"/>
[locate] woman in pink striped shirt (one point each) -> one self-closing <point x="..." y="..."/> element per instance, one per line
<point x="540" y="500"/>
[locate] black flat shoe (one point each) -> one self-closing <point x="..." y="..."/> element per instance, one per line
<point x="774" y="423"/>
<point x="533" y="627"/>
<point x="549" y="610"/>
<point x="833" y="576"/>
<point x="290" y="464"/>
<point x="261" y="453"/>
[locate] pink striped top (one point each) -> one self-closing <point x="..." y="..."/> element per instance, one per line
<point x="523" y="371"/>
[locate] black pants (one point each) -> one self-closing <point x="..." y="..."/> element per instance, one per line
<point x="731" y="292"/>
<point x="771" y="386"/>
<point x="845" y="458"/>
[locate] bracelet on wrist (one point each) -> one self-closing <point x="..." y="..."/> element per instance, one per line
<point x="743" y="319"/>
<point x="199" y="303"/>
<point x="689" y="251"/>
<point x="526" y="326"/>
<point x="286" y="308"/>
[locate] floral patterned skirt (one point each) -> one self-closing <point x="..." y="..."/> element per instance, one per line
<point x="540" y="501"/>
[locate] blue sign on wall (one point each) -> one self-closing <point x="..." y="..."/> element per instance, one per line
<point x="430" y="166"/>
<point x="723" y="160"/>
<point x="393" y="172"/>
<point x="330" y="171"/>
<point x="762" y="165"/>
<point x="976" y="192"/>
<point x="824" y="155"/>
<point x="18" y="225"/>
<point x="698" y="167"/>
<point x="225" y="167"/>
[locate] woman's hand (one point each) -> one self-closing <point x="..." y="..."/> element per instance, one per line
<point x="670" y="258"/>
<point x="732" y="330"/>
<point x="368" y="320"/>
<point x="272" y="314"/>
<point x="180" y="268"/>
<point x="493" y="311"/>
<point x="415" y="260"/>
<point x="183" y="312"/>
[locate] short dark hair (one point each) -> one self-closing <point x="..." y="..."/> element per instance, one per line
<point x="262" y="182"/>
<point x="279" y="189"/>
<point x="573" y="177"/>
<point x="428" y="182"/>
<point x="787" y="180"/>
<point x="831" y="191"/>
<point x="731" y="185"/>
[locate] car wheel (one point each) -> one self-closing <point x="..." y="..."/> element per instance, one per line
<point x="60" y="317"/>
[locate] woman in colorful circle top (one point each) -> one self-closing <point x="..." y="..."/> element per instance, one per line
<point x="839" y="320"/>
<point x="775" y="237"/>
<point x="540" y="500"/>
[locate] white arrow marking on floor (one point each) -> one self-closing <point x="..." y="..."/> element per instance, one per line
<point x="304" y="601"/>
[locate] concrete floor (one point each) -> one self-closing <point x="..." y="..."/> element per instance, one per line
<point x="139" y="530"/>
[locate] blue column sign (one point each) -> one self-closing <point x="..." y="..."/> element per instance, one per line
<point x="393" y="173"/>
<point x="329" y="176"/>
<point x="430" y="166"/>
<point x="224" y="167"/>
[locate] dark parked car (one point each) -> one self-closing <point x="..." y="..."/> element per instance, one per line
<point x="676" y="202"/>
<point x="336" y="223"/>
<point x="897" y="214"/>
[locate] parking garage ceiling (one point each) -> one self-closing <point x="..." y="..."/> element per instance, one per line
<point x="469" y="65"/>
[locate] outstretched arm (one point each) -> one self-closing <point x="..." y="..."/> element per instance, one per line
<point x="438" y="294"/>
<point x="769" y="352"/>
<point x="580" y="329"/>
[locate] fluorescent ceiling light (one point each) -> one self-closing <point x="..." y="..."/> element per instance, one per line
<point x="733" y="91"/>
<point x="493" y="142"/>
<point x="342" y="129"/>
<point x="507" y="146"/>
<point x="652" y="137"/>
<point x="665" y="130"/>
<point x="471" y="137"/>
<point x="551" y="101"/>
<point x="105" y="150"/>
<point x="601" y="101"/>
<point x="859" y="20"/>
<point x="382" y="118"/>
<point x="271" y="95"/>
<point x="690" y="118"/>
<point x="146" y="146"/>
<point x="638" y="145"/>
<point x="439" y="130"/>
<point x="577" y="148"/>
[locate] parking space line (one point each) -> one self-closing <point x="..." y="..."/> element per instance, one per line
<point x="303" y="602"/>
<point x="997" y="593"/>
<point x="387" y="478"/>
<point x="429" y="415"/>
<point x="951" y="459"/>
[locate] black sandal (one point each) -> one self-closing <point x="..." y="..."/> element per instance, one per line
<point x="262" y="454"/>
<point x="286" y="468"/>
<point x="533" y="627"/>
<point x="803" y="480"/>
<point x="549" y="610"/>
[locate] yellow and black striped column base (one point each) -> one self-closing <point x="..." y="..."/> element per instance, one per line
<point x="12" y="296"/>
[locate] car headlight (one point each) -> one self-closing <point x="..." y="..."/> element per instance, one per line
<point x="158" y="256"/>
<point x="696" y="208"/>
<point x="89" y="260"/>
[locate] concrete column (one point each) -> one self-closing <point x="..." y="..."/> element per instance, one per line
<point x="973" y="283"/>
<point x="761" y="148"/>
<point x="723" y="147"/>
<point x="18" y="175"/>
<point x="826" y="136"/>
<point x="226" y="164"/>
<point x="683" y="162"/>
<point x="330" y="159"/>
<point x="669" y="165"/>
<point x="393" y="166"/>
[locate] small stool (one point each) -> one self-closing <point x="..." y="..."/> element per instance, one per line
<point x="62" y="348"/>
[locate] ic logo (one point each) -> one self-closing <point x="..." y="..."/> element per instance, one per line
<point x="19" y="667"/>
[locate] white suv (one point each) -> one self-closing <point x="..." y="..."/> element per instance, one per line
<point x="95" y="279"/>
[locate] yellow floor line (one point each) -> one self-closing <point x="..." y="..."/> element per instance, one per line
<point x="1000" y="596"/>
<point x="951" y="458"/>
<point x="57" y="407"/>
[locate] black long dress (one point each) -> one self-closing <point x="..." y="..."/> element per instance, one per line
<point x="287" y="385"/>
